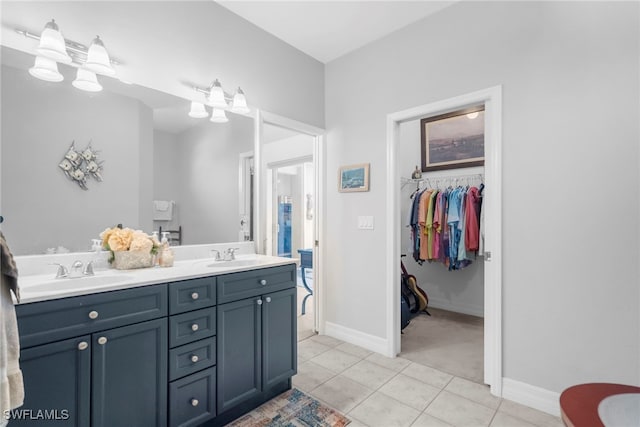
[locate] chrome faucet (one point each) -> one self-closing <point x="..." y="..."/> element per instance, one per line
<point x="230" y="254"/>
<point x="75" y="269"/>
<point x="62" y="271"/>
<point x="217" y="257"/>
<point x="88" y="269"/>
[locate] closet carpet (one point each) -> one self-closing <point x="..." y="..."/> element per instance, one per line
<point x="448" y="341"/>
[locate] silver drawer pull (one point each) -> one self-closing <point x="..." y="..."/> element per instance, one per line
<point x="263" y="282"/>
<point x="93" y="315"/>
<point x="194" y="327"/>
<point x="83" y="345"/>
<point x="259" y="302"/>
<point x="102" y="340"/>
<point x="195" y="296"/>
<point x="268" y="299"/>
<point x="194" y="358"/>
<point x="194" y="402"/>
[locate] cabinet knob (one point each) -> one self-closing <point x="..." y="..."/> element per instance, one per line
<point x="102" y="340"/>
<point x="268" y="299"/>
<point x="259" y="302"/>
<point x="194" y="327"/>
<point x="195" y="296"/>
<point x="194" y="402"/>
<point x="93" y="314"/>
<point x="83" y="345"/>
<point x="194" y="358"/>
<point x="263" y="282"/>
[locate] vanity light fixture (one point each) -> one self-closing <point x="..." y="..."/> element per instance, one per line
<point x="219" y="100"/>
<point x="53" y="47"/>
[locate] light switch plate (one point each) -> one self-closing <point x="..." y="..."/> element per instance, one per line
<point x="365" y="222"/>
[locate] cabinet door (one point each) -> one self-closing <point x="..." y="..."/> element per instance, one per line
<point x="239" y="373"/>
<point x="279" y="337"/>
<point x="129" y="369"/>
<point x="56" y="384"/>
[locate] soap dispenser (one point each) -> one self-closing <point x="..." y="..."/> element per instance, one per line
<point x="166" y="254"/>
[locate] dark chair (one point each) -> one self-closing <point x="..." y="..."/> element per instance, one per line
<point x="306" y="261"/>
<point x="175" y="236"/>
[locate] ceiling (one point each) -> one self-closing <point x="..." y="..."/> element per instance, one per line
<point x="326" y="30"/>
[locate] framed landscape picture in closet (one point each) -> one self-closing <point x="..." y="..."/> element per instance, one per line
<point x="353" y="178"/>
<point x="453" y="140"/>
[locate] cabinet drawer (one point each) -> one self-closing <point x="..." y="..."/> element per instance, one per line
<point x="236" y="286"/>
<point x="47" y="321"/>
<point x="192" y="326"/>
<point x="190" y="358"/>
<point x="192" y="400"/>
<point x="192" y="294"/>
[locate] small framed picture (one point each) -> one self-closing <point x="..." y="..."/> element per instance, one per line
<point x="453" y="140"/>
<point x="353" y="178"/>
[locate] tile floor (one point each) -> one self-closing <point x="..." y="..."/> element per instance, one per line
<point x="373" y="390"/>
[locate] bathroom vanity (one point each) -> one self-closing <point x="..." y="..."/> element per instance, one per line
<point x="196" y="344"/>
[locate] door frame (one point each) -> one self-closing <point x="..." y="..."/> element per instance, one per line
<point x="492" y="204"/>
<point x="261" y="228"/>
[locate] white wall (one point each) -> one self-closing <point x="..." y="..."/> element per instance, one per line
<point x="570" y="164"/>
<point x="172" y="45"/>
<point x="41" y="206"/>
<point x="461" y="291"/>
<point x="207" y="161"/>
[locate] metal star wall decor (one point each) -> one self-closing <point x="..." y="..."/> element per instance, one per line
<point x="80" y="165"/>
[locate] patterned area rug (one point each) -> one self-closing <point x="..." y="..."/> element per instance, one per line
<point x="292" y="409"/>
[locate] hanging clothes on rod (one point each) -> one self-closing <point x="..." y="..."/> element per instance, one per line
<point x="445" y="221"/>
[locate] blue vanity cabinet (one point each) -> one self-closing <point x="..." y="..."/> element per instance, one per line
<point x="103" y="365"/>
<point x="256" y="336"/>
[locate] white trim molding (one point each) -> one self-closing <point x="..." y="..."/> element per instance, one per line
<point x="352" y="336"/>
<point x="492" y="99"/>
<point x="444" y="304"/>
<point x="532" y="396"/>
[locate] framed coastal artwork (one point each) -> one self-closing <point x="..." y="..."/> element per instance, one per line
<point x="453" y="140"/>
<point x="353" y="178"/>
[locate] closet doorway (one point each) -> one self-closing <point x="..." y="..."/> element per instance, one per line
<point x="290" y="218"/>
<point x="492" y="205"/>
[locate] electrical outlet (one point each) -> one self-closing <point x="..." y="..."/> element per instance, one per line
<point x="365" y="223"/>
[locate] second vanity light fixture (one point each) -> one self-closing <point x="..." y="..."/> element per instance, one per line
<point x="218" y="99"/>
<point x="54" y="48"/>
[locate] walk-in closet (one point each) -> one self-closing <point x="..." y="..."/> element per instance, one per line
<point x="440" y="159"/>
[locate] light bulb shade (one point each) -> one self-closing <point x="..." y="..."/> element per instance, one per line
<point x="86" y="80"/>
<point x="46" y="69"/>
<point x="216" y="96"/>
<point x="239" y="103"/>
<point x="52" y="44"/>
<point x="98" y="59"/>
<point x="197" y="110"/>
<point x="219" y="116"/>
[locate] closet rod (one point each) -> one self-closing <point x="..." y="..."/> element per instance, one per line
<point x="448" y="179"/>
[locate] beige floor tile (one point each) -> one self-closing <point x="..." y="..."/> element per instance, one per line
<point x="528" y="414"/>
<point x="428" y="375"/>
<point x="310" y="376"/>
<point x="308" y="349"/>
<point x="369" y="374"/>
<point x="335" y="360"/>
<point x="473" y="391"/>
<point x="327" y="340"/>
<point x="396" y="363"/>
<point x="380" y="410"/>
<point x="341" y="393"/>
<point x="354" y="349"/>
<point x="425" y="420"/>
<point x="459" y="411"/>
<point x="410" y="391"/>
<point x="503" y="420"/>
<point x="356" y="423"/>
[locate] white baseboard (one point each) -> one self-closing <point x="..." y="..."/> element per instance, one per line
<point x="370" y="342"/>
<point x="474" y="310"/>
<point x="532" y="396"/>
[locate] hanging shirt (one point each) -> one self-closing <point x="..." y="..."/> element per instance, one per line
<point x="422" y="219"/>
<point x="472" y="226"/>
<point x="429" y="224"/>
<point x="437" y="226"/>
<point x="462" y="249"/>
<point x="453" y="214"/>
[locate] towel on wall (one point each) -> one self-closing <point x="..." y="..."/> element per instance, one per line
<point x="11" y="383"/>
<point x="163" y="210"/>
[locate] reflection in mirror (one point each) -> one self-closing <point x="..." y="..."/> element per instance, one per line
<point x="152" y="151"/>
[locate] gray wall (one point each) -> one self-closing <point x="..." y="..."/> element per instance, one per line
<point x="207" y="162"/>
<point x="165" y="175"/>
<point x="570" y="174"/>
<point x="41" y="206"/>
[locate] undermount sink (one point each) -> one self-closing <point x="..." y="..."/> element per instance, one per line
<point x="76" y="283"/>
<point x="234" y="263"/>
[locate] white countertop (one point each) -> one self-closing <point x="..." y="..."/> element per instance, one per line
<point x="42" y="287"/>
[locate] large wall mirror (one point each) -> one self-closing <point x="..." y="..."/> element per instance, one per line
<point x="152" y="151"/>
